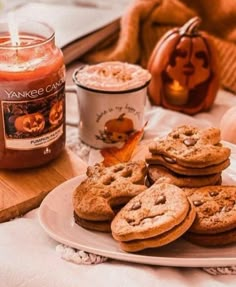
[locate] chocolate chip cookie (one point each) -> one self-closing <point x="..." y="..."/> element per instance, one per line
<point x="215" y="222"/>
<point x="215" y="207"/>
<point x="192" y="147"/>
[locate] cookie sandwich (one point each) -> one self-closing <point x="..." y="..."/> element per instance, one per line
<point x="188" y="157"/>
<point x="155" y="217"/>
<point x="215" y="222"/>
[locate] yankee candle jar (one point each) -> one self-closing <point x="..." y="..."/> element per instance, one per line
<point x="32" y="97"/>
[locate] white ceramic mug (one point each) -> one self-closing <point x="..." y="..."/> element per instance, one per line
<point x="108" y="115"/>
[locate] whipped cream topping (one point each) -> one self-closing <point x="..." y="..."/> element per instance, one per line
<point x="112" y="76"/>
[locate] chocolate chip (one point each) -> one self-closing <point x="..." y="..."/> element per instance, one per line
<point x="136" y="205"/>
<point x="190" y="141"/>
<point x="188" y="133"/>
<point x="198" y="202"/>
<point x="169" y="159"/>
<point x="160" y="200"/>
<point x="213" y="193"/>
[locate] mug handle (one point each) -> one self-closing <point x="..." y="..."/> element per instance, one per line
<point x="72" y="89"/>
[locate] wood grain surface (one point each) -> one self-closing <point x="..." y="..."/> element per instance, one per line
<point x="24" y="190"/>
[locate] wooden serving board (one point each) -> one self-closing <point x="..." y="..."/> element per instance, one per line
<point x="24" y="190"/>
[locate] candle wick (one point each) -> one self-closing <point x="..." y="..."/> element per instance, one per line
<point x="13" y="29"/>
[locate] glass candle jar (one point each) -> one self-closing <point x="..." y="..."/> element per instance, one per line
<point x="32" y="97"/>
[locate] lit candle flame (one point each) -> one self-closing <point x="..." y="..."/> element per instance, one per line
<point x="176" y="94"/>
<point x="13" y="29"/>
<point x="176" y="86"/>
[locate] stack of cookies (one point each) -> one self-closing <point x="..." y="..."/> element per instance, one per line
<point x="104" y="191"/>
<point x="184" y="197"/>
<point x="155" y="217"/>
<point x="188" y="157"/>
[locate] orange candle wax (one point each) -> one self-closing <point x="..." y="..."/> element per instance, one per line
<point x="32" y="97"/>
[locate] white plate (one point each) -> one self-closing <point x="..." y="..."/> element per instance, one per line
<point x="56" y="217"/>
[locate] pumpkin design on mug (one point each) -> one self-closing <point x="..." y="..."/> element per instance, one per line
<point x="184" y="70"/>
<point x="117" y="129"/>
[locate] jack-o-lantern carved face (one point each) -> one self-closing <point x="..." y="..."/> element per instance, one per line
<point x="56" y="113"/>
<point x="189" y="62"/>
<point x="30" y="123"/>
<point x="184" y="69"/>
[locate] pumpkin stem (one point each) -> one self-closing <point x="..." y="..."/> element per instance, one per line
<point x="191" y="27"/>
<point x="120" y="118"/>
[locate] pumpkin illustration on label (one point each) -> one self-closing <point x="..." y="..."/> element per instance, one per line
<point x="56" y="113"/>
<point x="117" y="129"/>
<point x="184" y="69"/>
<point x="30" y="123"/>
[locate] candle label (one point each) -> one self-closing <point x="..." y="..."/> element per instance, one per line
<point x="34" y="124"/>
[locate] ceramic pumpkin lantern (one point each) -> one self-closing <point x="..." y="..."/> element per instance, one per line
<point x="184" y="70"/>
<point x="30" y="123"/>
